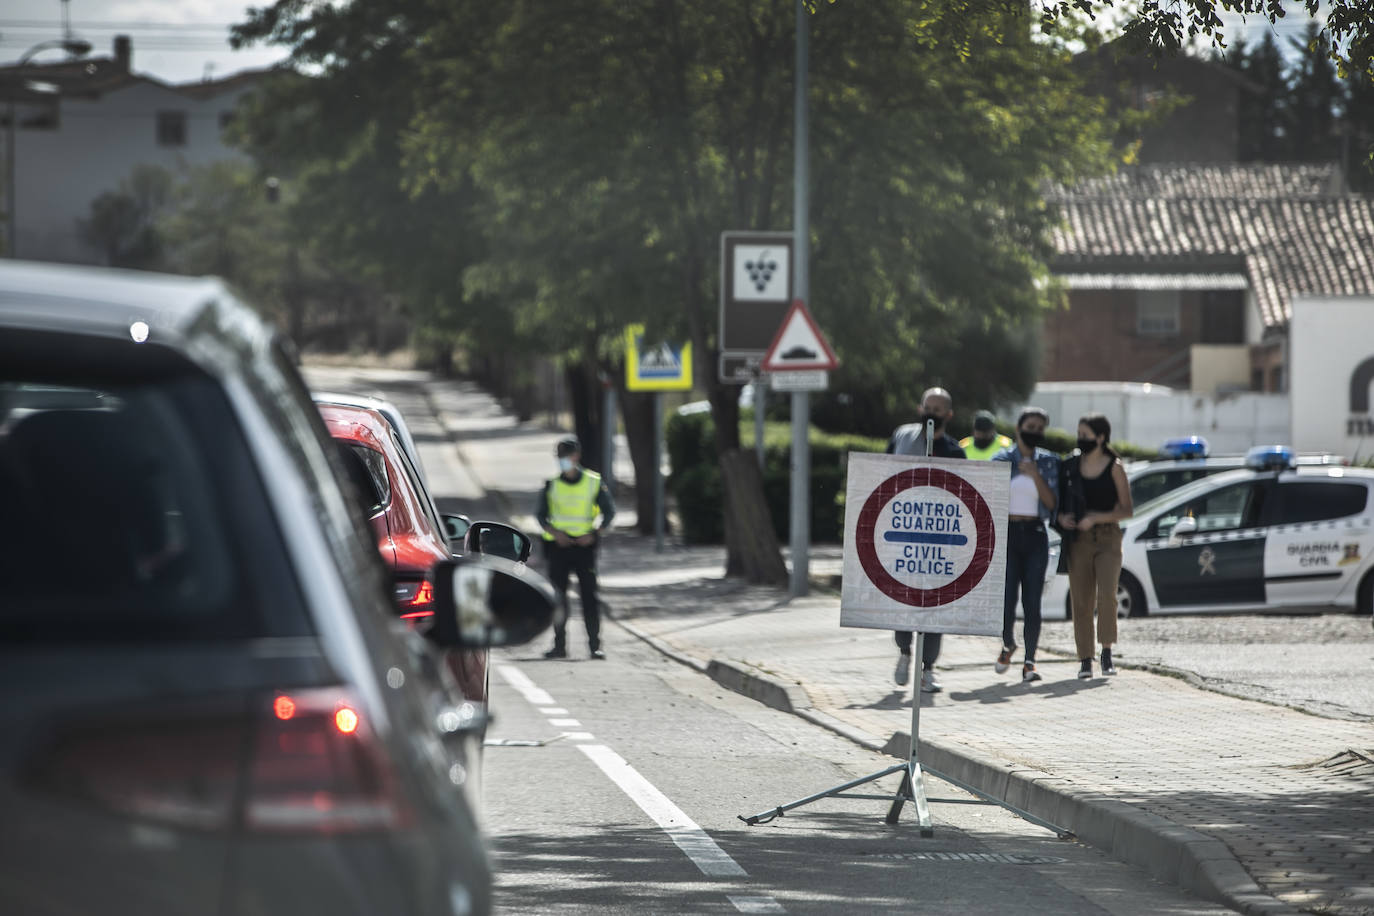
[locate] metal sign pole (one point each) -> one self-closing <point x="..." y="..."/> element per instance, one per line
<point x="801" y="400"/>
<point x="608" y="438"/>
<point x="760" y="390"/>
<point x="658" y="472"/>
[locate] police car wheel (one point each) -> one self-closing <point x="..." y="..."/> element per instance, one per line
<point x="1130" y="597"/>
<point x="1364" y="598"/>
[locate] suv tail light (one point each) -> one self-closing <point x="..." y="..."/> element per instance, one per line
<point x="415" y="599"/>
<point x="304" y="762"/>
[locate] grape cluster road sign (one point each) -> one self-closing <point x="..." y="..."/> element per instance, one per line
<point x="755" y="292"/>
<point x="925" y="544"/>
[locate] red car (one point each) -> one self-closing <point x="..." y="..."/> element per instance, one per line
<point x="410" y="532"/>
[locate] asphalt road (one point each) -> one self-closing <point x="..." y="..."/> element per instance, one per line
<point x="615" y="787"/>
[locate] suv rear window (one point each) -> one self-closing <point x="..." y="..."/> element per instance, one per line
<point x="1313" y="501"/>
<point x="134" y="511"/>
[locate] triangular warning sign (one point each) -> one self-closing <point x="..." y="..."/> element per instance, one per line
<point x="799" y="344"/>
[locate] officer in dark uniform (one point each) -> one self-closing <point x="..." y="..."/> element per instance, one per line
<point x="573" y="509"/>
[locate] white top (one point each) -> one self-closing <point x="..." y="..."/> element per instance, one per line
<point x="1023" y="498"/>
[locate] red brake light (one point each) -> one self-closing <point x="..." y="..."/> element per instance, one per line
<point x="304" y="763"/>
<point x="346" y="720"/>
<point x="416" y="600"/>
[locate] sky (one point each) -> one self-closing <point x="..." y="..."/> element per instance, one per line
<point x="177" y="41"/>
<point x="187" y="40"/>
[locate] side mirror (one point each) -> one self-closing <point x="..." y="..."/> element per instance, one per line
<point x="456" y="526"/>
<point x="486" y="601"/>
<point x="1184" y="526"/>
<point x="494" y="539"/>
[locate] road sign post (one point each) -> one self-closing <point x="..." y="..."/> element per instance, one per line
<point x="756" y="283"/>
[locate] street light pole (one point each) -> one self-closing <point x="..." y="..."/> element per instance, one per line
<point x="75" y="47"/>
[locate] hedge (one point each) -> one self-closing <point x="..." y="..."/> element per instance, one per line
<point x="696" y="485"/>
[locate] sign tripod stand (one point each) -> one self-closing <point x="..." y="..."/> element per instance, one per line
<point x="913" y="787"/>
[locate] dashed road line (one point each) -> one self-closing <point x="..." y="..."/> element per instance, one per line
<point x="554" y="711"/>
<point x="533" y="695"/>
<point x="681" y="829"/>
<point x="756" y="904"/>
<point x="565" y="723"/>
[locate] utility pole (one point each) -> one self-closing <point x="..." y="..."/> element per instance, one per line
<point x="801" y="400"/>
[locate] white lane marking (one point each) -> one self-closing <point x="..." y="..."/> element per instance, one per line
<point x="517" y="679"/>
<point x="579" y="736"/>
<point x="554" y="711"/>
<point x="681" y="829"/>
<point x="565" y="723"/>
<point x="756" y="904"/>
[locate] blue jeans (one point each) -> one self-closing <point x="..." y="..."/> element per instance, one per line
<point x="1028" y="554"/>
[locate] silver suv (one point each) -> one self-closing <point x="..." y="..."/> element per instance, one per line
<point x="207" y="701"/>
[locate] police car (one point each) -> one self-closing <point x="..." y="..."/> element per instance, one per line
<point x="1188" y="458"/>
<point x="1273" y="534"/>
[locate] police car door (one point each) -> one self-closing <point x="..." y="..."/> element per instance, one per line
<point x="1222" y="562"/>
<point x="1320" y="535"/>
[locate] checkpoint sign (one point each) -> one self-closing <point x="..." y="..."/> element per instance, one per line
<point x="924" y="544"/>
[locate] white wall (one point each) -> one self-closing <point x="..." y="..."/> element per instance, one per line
<point x="1329" y="336"/>
<point x="1147" y="415"/>
<point x="97" y="144"/>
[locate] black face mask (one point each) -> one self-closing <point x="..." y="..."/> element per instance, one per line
<point x="1033" y="440"/>
<point x="982" y="442"/>
<point x="939" y="420"/>
<point x="1087" y="446"/>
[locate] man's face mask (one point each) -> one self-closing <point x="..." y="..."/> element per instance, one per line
<point x="565" y="465"/>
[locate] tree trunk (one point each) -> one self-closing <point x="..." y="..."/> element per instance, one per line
<point x="749" y="523"/>
<point x="585" y="391"/>
<point x="637" y="410"/>
<point x="751" y="544"/>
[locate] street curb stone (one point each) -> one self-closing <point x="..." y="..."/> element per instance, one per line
<point x="1173" y="853"/>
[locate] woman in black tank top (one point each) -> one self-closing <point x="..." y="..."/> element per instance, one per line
<point x="1095" y="498"/>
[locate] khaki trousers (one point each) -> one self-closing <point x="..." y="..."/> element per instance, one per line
<point x="1094" y="568"/>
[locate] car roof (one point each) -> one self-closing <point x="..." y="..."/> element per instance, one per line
<point x="356" y="424"/>
<point x="1225" y="478"/>
<point x="104" y="302"/>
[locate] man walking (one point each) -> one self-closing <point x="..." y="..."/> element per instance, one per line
<point x="985" y="442"/>
<point x="568" y="511"/>
<point x="937" y="405"/>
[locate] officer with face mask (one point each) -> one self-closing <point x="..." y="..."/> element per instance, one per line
<point x="985" y="442"/>
<point x="573" y="508"/>
<point x="910" y="439"/>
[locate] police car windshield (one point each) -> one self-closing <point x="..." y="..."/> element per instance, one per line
<point x="1188" y="491"/>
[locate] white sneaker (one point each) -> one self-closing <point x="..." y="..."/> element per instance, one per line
<point x="902" y="674"/>
<point x="929" y="684"/>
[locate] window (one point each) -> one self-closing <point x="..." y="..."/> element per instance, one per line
<point x="1157" y="312"/>
<point x="1297" y="503"/>
<point x="162" y="532"/>
<point x="171" y="128"/>
<point x="1152" y="486"/>
<point x="1228" y="509"/>
<point x="367" y="470"/>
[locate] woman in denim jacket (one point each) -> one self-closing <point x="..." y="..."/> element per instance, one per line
<point x="1031" y="505"/>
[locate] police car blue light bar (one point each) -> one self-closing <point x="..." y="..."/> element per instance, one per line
<point x="1270" y="458"/>
<point x="1185" y="447"/>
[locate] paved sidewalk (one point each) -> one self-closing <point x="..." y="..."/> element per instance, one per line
<point x="1261" y="807"/>
<point x="1279" y="789"/>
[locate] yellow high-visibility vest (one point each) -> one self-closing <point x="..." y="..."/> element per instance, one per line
<point x="983" y="454"/>
<point x="572" y="506"/>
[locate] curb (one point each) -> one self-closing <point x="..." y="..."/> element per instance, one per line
<point x="1172" y="853"/>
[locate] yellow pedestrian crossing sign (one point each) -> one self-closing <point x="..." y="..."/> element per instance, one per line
<point x="656" y="367"/>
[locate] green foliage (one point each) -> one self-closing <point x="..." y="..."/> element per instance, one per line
<point x="123" y="223"/>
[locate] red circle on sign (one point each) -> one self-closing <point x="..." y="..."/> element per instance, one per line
<point x="982" y="523"/>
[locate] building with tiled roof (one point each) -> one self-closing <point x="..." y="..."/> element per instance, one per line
<point x="1177" y="271"/>
<point x="81" y="127"/>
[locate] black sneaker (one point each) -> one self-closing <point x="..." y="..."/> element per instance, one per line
<point x="556" y="652"/>
<point x="1085" y="669"/>
<point x="1107" y="666"/>
<point x="599" y="655"/>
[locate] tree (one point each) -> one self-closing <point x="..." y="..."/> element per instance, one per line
<point x="1316" y="99"/>
<point x="123" y="223"/>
